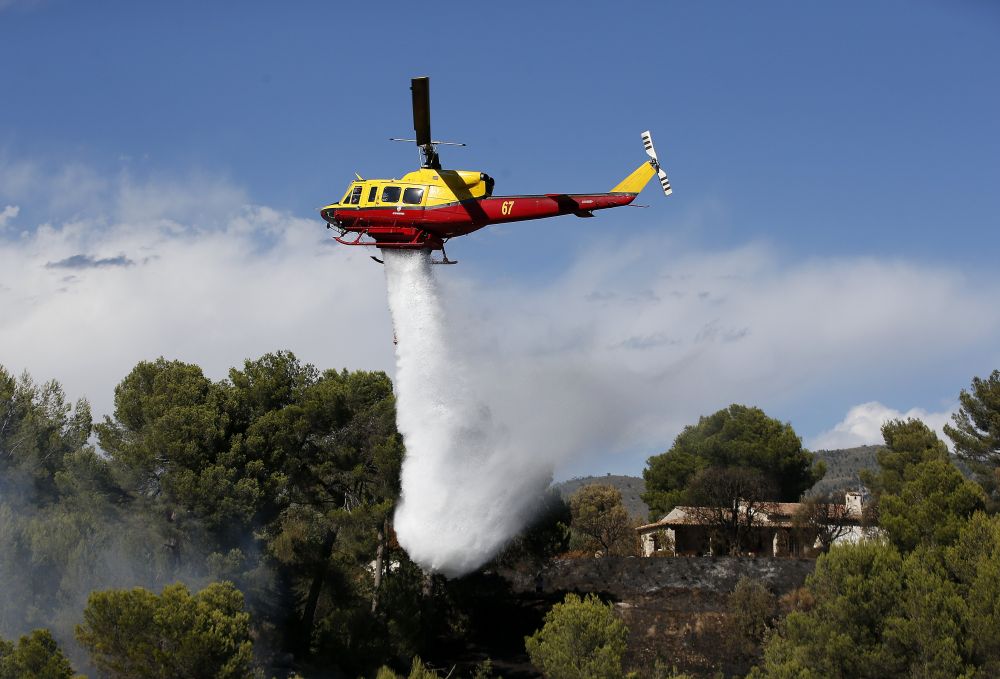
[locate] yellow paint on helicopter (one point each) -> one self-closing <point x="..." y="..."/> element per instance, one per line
<point x="635" y="182"/>
<point x="425" y="187"/>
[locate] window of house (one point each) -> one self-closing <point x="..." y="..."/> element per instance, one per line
<point x="356" y="195"/>
<point x="371" y="194"/>
<point x="413" y="196"/>
<point x="390" y="194"/>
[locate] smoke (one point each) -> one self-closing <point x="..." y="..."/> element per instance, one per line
<point x="470" y="479"/>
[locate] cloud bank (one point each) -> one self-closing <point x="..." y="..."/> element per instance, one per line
<point x="863" y="423"/>
<point x="610" y="358"/>
<point x="207" y="279"/>
<point x="629" y="346"/>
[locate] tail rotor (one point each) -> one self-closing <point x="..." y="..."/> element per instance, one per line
<point x="647" y="141"/>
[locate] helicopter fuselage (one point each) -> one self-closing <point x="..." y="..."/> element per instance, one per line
<point x="428" y="206"/>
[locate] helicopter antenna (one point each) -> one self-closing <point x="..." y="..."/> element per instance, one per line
<point x="420" y="88"/>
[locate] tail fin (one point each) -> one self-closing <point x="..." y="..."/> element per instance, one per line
<point x="635" y="182"/>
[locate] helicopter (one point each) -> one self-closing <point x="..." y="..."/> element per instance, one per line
<point x="429" y="206"/>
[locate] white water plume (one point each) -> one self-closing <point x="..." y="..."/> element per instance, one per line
<point x="467" y="486"/>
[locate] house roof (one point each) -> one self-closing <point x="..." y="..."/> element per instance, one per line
<point x="776" y="514"/>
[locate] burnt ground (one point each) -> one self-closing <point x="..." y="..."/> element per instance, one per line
<point x="675" y="608"/>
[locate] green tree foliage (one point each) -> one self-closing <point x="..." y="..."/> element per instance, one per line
<point x="920" y="497"/>
<point x="977" y="423"/>
<point x="418" y="670"/>
<point x="38" y="428"/>
<point x="138" y="634"/>
<point x="856" y="588"/>
<point x="343" y="480"/>
<point x="663" y="670"/>
<point x="307" y="462"/>
<point x="600" y="521"/>
<point x="926" y="635"/>
<point x="752" y="610"/>
<point x="909" y="606"/>
<point x="55" y="493"/>
<point x="976" y="432"/>
<point x="931" y="506"/>
<point x="168" y="441"/>
<point x="667" y="477"/>
<point x="973" y="563"/>
<point x="35" y="656"/>
<point x="581" y="639"/>
<point x="281" y="478"/>
<point x="737" y="436"/>
<point x="907" y="443"/>
<point x="932" y="613"/>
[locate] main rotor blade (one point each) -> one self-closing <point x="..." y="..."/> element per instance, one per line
<point x="420" y="87"/>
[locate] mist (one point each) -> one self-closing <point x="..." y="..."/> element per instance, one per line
<point x="470" y="481"/>
<point x="53" y="555"/>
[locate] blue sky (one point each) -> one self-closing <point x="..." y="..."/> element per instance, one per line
<point x="801" y="139"/>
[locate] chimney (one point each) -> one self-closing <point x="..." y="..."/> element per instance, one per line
<point x="854" y="503"/>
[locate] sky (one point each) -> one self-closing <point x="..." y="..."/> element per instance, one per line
<point x="828" y="254"/>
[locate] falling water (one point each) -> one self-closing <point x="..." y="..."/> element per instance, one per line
<point x="467" y="487"/>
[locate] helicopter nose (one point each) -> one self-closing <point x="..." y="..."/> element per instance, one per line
<point x="330" y="216"/>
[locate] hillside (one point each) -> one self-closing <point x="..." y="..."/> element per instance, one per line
<point x="676" y="609"/>
<point x="631" y="488"/>
<point x="843" y="468"/>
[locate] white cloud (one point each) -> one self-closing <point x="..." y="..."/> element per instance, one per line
<point x="863" y="423"/>
<point x="7" y="214"/>
<point x="613" y="357"/>
<point x="84" y="301"/>
<point x="635" y="343"/>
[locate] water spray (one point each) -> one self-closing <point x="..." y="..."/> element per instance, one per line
<point x="467" y="487"/>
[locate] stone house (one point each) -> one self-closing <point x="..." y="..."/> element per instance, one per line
<point x="774" y="529"/>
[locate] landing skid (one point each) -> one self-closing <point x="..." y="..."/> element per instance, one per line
<point x="444" y="258"/>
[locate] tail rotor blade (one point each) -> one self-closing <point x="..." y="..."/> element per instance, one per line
<point x="420" y="87"/>
<point x="664" y="182"/>
<point x="647" y="142"/>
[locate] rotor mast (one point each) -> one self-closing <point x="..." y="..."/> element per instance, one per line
<point x="420" y="88"/>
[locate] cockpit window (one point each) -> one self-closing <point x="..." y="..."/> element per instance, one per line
<point x="371" y="194"/>
<point x="413" y="196"/>
<point x="390" y="194"/>
<point x="356" y="195"/>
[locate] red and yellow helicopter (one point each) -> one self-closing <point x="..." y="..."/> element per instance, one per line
<point x="430" y="205"/>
